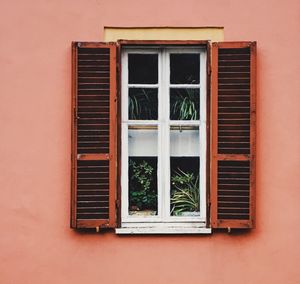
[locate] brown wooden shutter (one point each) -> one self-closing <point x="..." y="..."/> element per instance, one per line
<point x="233" y="134"/>
<point x="93" y="135"/>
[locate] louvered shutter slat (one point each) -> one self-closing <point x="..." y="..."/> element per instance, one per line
<point x="233" y="135"/>
<point x="94" y="135"/>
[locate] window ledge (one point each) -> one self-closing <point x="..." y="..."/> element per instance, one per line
<point x="158" y="230"/>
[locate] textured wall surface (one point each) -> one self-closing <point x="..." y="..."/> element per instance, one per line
<point x="36" y="244"/>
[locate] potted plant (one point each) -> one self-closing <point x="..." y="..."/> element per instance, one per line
<point x="142" y="105"/>
<point x="185" y="105"/>
<point x="185" y="196"/>
<point x="142" y="193"/>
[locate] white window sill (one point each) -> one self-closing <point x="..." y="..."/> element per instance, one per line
<point x="160" y="230"/>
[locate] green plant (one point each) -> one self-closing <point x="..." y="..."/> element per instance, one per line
<point x="140" y="104"/>
<point x="185" y="195"/>
<point x="142" y="194"/>
<point x="185" y="106"/>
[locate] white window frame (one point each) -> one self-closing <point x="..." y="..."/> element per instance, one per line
<point x="163" y="222"/>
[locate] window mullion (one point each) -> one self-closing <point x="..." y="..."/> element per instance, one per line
<point x="166" y="142"/>
<point x="150" y="86"/>
<point x="180" y="86"/>
<point x="160" y="140"/>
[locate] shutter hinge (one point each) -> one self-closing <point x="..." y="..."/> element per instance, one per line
<point x="208" y="212"/>
<point x="209" y="69"/>
<point x="75" y="114"/>
<point x="118" y="66"/>
<point x="118" y="204"/>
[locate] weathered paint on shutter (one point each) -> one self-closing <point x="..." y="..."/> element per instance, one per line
<point x="93" y="135"/>
<point x="233" y="134"/>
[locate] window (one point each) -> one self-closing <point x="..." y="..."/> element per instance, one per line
<point x="155" y="148"/>
<point x="163" y="137"/>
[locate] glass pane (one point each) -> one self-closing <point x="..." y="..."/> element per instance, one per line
<point x="143" y="104"/>
<point x="184" y="141"/>
<point x="184" y="104"/>
<point x="143" y="68"/>
<point x="185" y="68"/>
<point x="185" y="193"/>
<point x="142" y="140"/>
<point x="142" y="179"/>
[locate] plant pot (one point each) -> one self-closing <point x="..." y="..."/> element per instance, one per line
<point x="189" y="214"/>
<point x="142" y="213"/>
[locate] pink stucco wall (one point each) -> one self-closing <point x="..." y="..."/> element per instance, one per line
<point x="36" y="244"/>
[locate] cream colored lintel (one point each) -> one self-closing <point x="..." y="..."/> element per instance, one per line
<point x="213" y="34"/>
